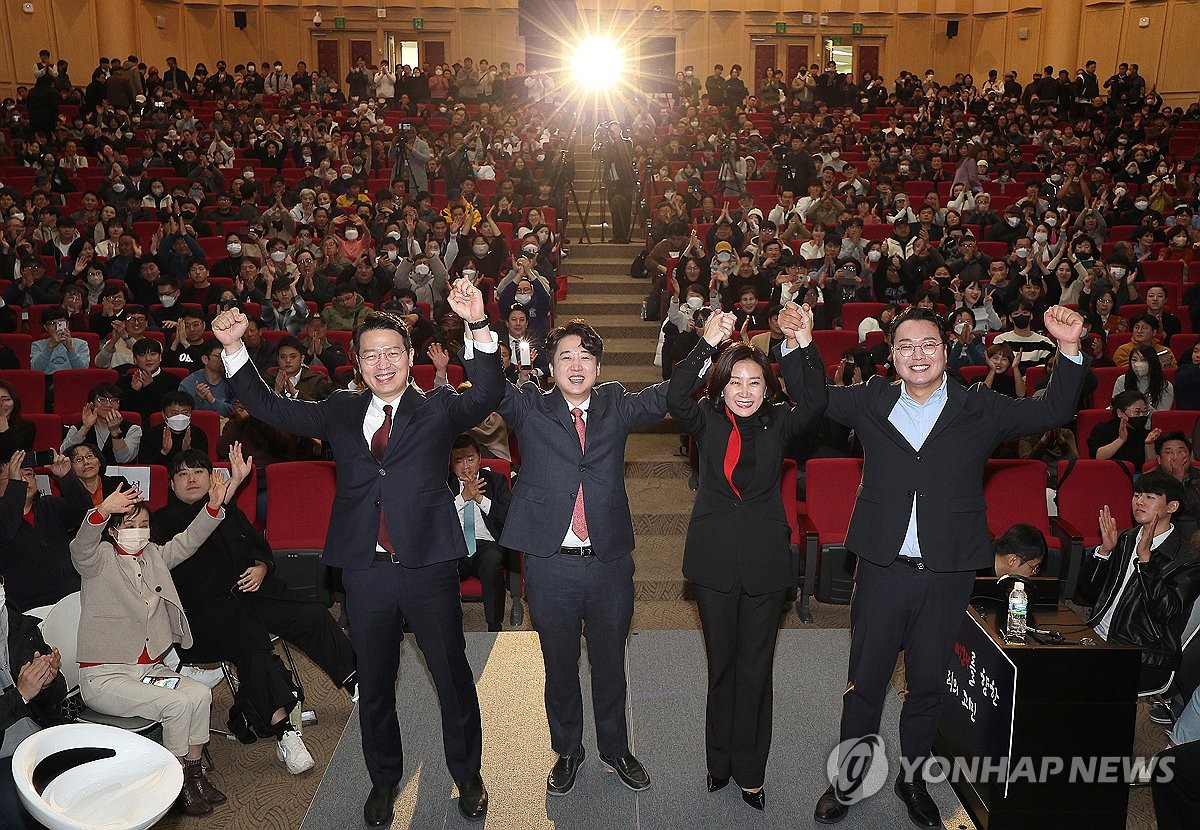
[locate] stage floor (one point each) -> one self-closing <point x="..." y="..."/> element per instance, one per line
<point x="667" y="690"/>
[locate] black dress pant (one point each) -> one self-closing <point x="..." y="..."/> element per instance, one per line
<point x="379" y="600"/>
<point x="487" y="565"/>
<point x="740" y="632"/>
<point x="570" y="596"/>
<point x="620" y="206"/>
<point x="239" y="629"/>
<point x="894" y="608"/>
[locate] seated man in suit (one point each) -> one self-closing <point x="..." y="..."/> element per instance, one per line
<point x="1151" y="579"/>
<point x="518" y="332"/>
<point x="1020" y="552"/>
<point x="234" y="604"/>
<point x="144" y="390"/>
<point x="292" y="379"/>
<point x="319" y="349"/>
<point x="481" y="498"/>
<point x="162" y="443"/>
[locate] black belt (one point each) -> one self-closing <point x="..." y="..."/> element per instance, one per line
<point x="912" y="562"/>
<point x="585" y="551"/>
<point x="386" y="557"/>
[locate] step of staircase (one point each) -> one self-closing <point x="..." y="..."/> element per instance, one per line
<point x="597" y="304"/>
<point x="618" y="323"/>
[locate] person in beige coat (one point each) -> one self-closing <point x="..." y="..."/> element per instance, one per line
<point x="131" y="615"/>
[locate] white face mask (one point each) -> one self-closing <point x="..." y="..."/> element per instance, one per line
<point x="1040" y="237"/>
<point x="530" y="251"/>
<point x="1021" y="253"/>
<point x="874" y="256"/>
<point x="133" y="539"/>
<point x="695" y="302"/>
<point x="1051" y="220"/>
<point x="347" y="176"/>
<point x="234" y="248"/>
<point x="352" y="234"/>
<point x="278" y="256"/>
<point x="422" y="269"/>
<point x="119" y="187"/>
<point x="524" y="299"/>
<point x="1140" y="368"/>
<point x="391" y="254"/>
<point x="480" y="248"/>
<point x="724" y="256"/>
<point x="468" y="273"/>
<point x="249" y="174"/>
<point x="1013" y="221"/>
<point x="179" y="423"/>
<point x="1117" y="273"/>
<point x="1141" y="204"/>
<point x="168" y="300"/>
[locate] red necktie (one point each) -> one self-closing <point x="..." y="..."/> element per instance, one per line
<point x="578" y="522"/>
<point x="379" y="442"/>
<point x="733" y="451"/>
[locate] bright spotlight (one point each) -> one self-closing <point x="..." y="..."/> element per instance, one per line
<point x="598" y="64"/>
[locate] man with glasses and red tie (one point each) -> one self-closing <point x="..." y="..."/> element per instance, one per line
<point x="919" y="530"/>
<point x="393" y="529"/>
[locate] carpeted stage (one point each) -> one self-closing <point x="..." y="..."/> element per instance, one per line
<point x="667" y="685"/>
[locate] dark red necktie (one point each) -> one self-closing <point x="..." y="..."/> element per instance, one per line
<point x="733" y="451"/>
<point x="379" y="442"/>
<point x="578" y="520"/>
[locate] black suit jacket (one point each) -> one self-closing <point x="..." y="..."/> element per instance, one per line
<point x="410" y="485"/>
<point x="946" y="473"/>
<point x="500" y="494"/>
<point x="553" y="466"/>
<point x="745" y="538"/>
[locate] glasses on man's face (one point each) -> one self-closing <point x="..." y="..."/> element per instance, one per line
<point x="928" y="347"/>
<point x="108" y="399"/>
<point x="1137" y="413"/>
<point x="82" y="458"/>
<point x="375" y="356"/>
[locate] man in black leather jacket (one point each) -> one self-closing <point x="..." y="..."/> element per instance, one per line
<point x="1151" y="582"/>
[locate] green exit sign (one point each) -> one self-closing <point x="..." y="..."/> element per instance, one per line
<point x="781" y="28"/>
<point x="339" y="23"/>
<point x="418" y="23"/>
<point x="856" y="28"/>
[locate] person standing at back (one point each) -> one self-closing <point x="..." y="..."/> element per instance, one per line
<point x="393" y="529"/>
<point x="570" y="515"/>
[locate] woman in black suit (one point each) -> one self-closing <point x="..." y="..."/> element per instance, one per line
<point x="738" y="553"/>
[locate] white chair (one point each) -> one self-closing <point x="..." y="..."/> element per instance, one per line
<point x="130" y="789"/>
<point x="60" y="629"/>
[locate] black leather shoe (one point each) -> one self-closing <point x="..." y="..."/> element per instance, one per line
<point x="829" y="810"/>
<point x="473" y="798"/>
<point x="562" y="775"/>
<point x="516" y="616"/>
<point x="378" y="809"/>
<point x="921" y="809"/>
<point x="756" y="800"/>
<point x="630" y="770"/>
<point x="715" y="783"/>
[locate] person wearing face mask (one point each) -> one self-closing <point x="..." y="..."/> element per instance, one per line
<point x="163" y="442"/>
<point x="1035" y="348"/>
<point x="131" y="616"/>
<point x="1127" y="435"/>
<point x="425" y="275"/>
<point x="1145" y="375"/>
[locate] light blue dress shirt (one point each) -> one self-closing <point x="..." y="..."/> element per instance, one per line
<point x="915" y="421"/>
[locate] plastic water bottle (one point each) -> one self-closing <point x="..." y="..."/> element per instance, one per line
<point x="1018" y="609"/>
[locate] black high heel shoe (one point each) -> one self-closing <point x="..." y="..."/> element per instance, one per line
<point x="715" y="783"/>
<point x="756" y="800"/>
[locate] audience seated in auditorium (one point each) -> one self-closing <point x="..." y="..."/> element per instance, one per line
<point x="103" y="426"/>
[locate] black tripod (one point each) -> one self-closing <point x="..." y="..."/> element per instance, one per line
<point x="564" y="185"/>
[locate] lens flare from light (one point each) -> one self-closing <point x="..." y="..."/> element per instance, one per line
<point x="598" y="63"/>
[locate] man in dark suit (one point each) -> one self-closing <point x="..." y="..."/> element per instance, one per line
<point x="392" y="527"/>
<point x="482" y="499"/>
<point x="570" y="515"/>
<point x="919" y="529"/>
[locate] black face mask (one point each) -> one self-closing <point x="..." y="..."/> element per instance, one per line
<point x="1138" y="422"/>
<point x="1021" y="320"/>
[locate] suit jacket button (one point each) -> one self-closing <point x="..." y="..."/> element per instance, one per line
<point x="158" y="588"/>
<point x="376" y="502"/>
<point x="919" y="458"/>
<point x="582" y="468"/>
<point x="382" y="471"/>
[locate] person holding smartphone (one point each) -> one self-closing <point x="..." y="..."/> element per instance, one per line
<point x="132" y="615"/>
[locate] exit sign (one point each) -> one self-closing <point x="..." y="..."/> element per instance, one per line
<point x="856" y="28"/>
<point x="836" y="40"/>
<point x="339" y="23"/>
<point x="418" y="23"/>
<point x="781" y="28"/>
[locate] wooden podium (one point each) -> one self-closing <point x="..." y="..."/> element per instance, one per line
<point x="1029" y="704"/>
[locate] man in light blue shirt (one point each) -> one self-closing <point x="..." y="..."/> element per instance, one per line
<point x="208" y="386"/>
<point x="59" y="350"/>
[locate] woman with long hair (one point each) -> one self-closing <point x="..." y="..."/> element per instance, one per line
<point x="15" y="433"/>
<point x="1144" y="374"/>
<point x="738" y="555"/>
